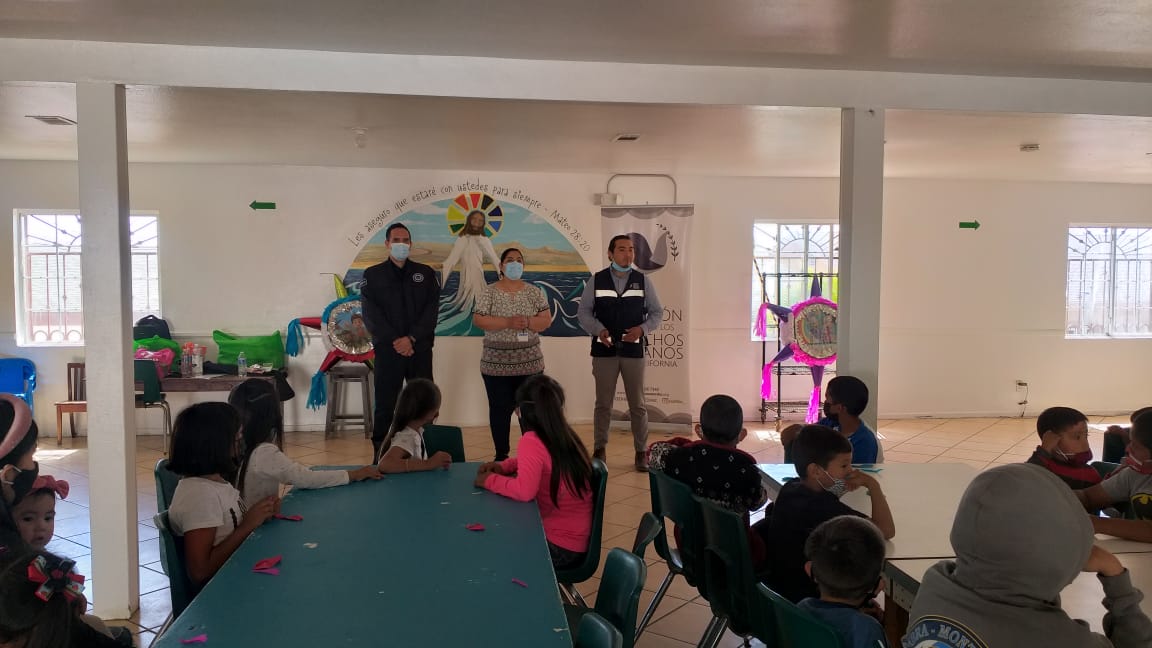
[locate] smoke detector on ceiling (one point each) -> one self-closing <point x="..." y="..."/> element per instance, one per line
<point x="53" y="120"/>
<point x="1029" y="148"/>
<point x="626" y="137"/>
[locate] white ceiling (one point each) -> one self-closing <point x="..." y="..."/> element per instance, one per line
<point x="1104" y="39"/>
<point x="265" y="127"/>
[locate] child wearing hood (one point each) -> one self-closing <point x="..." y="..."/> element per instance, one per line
<point x="1132" y="484"/>
<point x="1003" y="588"/>
<point x="1063" y="448"/>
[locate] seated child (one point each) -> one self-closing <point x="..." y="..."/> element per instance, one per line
<point x="713" y="466"/>
<point x="1003" y="588"/>
<point x="823" y="459"/>
<point x="552" y="466"/>
<point x="264" y="467"/>
<point x="1116" y="438"/>
<point x="403" y="449"/>
<point x="845" y="559"/>
<point x="35" y="514"/>
<point x="844" y="400"/>
<point x="1131" y="484"/>
<point x="206" y="509"/>
<point x="1063" y="448"/>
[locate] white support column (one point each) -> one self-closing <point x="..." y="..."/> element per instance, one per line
<point x="107" y="271"/>
<point x="861" y="221"/>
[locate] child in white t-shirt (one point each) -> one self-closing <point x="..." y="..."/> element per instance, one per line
<point x="264" y="467"/>
<point x="206" y="508"/>
<point x="403" y="449"/>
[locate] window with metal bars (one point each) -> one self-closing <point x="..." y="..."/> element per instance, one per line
<point x="1109" y="289"/>
<point x="49" y="308"/>
<point x="782" y="252"/>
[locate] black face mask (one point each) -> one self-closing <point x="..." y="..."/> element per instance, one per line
<point x="22" y="482"/>
<point x="835" y="418"/>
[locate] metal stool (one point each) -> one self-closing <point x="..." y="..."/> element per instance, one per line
<point x="338" y="377"/>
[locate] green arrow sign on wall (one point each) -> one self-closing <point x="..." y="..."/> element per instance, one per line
<point x="262" y="205"/>
<point x="969" y="224"/>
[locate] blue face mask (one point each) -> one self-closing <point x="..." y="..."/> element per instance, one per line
<point x="513" y="270"/>
<point x="838" y="487"/>
<point x="619" y="268"/>
<point x="400" y="251"/>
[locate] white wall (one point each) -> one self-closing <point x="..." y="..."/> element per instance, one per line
<point x="965" y="313"/>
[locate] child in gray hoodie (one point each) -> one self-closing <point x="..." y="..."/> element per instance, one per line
<point x="1021" y="537"/>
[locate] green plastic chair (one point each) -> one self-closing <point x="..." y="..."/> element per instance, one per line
<point x="595" y="632"/>
<point x="795" y="627"/>
<point x="650" y="526"/>
<point x="166" y="481"/>
<point x="446" y="438"/>
<point x="1105" y="468"/>
<point x="567" y="578"/>
<point x="674" y="501"/>
<point x="144" y="372"/>
<point x="731" y="578"/>
<point x="618" y="596"/>
<point x="172" y="559"/>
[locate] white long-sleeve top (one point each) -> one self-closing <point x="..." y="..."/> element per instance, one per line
<point x="268" y="468"/>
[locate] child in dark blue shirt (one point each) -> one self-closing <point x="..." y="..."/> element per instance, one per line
<point x="845" y="557"/>
<point x="845" y="399"/>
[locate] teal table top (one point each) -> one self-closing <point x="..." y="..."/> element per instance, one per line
<point x="392" y="565"/>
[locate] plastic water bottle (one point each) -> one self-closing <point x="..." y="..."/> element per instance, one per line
<point x="242" y="365"/>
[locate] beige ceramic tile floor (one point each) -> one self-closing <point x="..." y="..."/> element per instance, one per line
<point x="682" y="616"/>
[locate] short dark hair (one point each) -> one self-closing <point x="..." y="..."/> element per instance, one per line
<point x="395" y="226"/>
<point x="1138" y="413"/>
<point x="849" y="391"/>
<point x="1142" y="429"/>
<point x="817" y="444"/>
<point x="847" y="554"/>
<point x="505" y="253"/>
<point x="721" y="419"/>
<point x="1058" y="419"/>
<point x="618" y="237"/>
<point x="204" y="441"/>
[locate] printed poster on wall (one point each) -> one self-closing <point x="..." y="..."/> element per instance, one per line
<point x="660" y="236"/>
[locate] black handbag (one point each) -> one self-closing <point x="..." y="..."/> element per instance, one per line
<point x="151" y="326"/>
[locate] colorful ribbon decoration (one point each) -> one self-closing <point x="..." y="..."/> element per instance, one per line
<point x="59" y="577"/>
<point x="48" y="482"/>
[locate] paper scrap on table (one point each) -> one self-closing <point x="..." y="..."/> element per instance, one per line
<point x="203" y="638"/>
<point x="445" y="502"/>
<point x="267" y="563"/>
<point x="271" y="571"/>
<point x="519" y="582"/>
<point x="311" y="545"/>
<point x="291" y="518"/>
<point x="475" y="526"/>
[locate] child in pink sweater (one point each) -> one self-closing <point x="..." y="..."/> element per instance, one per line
<point x="552" y="466"/>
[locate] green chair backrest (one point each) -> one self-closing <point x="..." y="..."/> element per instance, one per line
<point x="729" y="574"/>
<point x="619" y="593"/>
<point x="1105" y="468"/>
<point x="595" y="632"/>
<point x="166" y="481"/>
<point x="445" y="438"/>
<point x="795" y="627"/>
<point x="172" y="559"/>
<point x="144" y="372"/>
<point x="674" y="500"/>
<point x="587" y="569"/>
<point x="649" y="529"/>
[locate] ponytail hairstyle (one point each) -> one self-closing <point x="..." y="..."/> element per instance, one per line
<point x="420" y="398"/>
<point x="26" y="619"/>
<point x="540" y="401"/>
<point x="261" y="415"/>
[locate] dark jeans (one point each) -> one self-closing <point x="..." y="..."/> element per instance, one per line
<point x="501" y="404"/>
<point x="564" y="558"/>
<point x="391" y="370"/>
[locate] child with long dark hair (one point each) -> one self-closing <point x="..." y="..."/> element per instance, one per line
<point x="206" y="508"/>
<point x="552" y="466"/>
<point x="35" y="613"/>
<point x="403" y="449"/>
<point x="264" y="467"/>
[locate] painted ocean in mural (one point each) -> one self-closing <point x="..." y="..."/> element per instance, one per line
<point x="551" y="262"/>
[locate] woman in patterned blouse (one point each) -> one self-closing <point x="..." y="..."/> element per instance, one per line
<point x="511" y="312"/>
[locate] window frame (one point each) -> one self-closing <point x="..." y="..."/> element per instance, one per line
<point x="20" y="278"/>
<point x="833" y="260"/>
<point x="1111" y="285"/>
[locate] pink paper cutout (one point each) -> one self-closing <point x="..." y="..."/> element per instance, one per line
<point x="271" y="571"/>
<point x="290" y="518"/>
<point x="519" y="582"/>
<point x="474" y="526"/>
<point x="203" y="638"/>
<point x="267" y="563"/>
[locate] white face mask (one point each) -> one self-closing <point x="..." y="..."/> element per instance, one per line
<point x="838" y="487"/>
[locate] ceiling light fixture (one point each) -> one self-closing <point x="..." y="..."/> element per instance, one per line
<point x="1029" y="148"/>
<point x="53" y="120"/>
